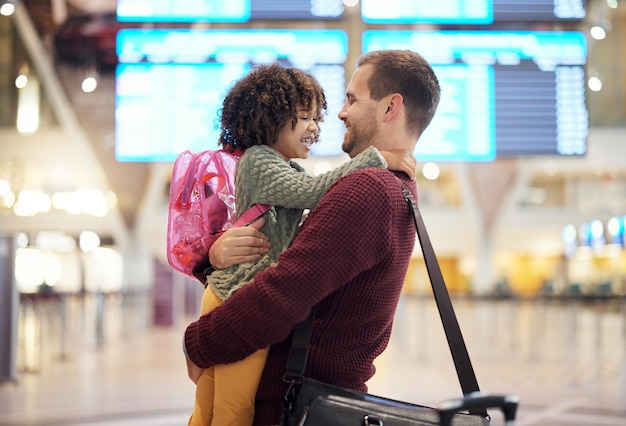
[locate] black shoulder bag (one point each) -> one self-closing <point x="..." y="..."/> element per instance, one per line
<point x="309" y="402"/>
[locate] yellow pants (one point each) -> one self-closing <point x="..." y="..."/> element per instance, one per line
<point x="225" y="393"/>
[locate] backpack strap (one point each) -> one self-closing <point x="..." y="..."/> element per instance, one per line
<point x="252" y="214"/>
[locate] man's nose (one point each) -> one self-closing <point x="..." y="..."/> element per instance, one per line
<point x="342" y="113"/>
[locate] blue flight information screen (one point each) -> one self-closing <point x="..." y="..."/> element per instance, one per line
<point x="503" y="93"/>
<point x="170" y="84"/>
<point x="183" y="11"/>
<point x="427" y="11"/>
<point x="226" y="10"/>
<point x="474" y="12"/>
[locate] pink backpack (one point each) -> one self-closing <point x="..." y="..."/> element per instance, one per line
<point x="201" y="204"/>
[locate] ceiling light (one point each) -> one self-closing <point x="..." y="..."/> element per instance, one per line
<point x="7" y="8"/>
<point x="597" y="32"/>
<point x="594" y="84"/>
<point x="430" y="171"/>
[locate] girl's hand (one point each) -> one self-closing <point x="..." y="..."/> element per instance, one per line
<point x="400" y="160"/>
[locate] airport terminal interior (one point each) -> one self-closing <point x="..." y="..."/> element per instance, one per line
<point x="522" y="185"/>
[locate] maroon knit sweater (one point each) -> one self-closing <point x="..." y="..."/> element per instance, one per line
<point x="350" y="257"/>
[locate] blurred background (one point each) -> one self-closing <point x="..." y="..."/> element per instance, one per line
<point x="522" y="186"/>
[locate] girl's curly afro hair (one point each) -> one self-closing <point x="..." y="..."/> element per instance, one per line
<point x="260" y="104"/>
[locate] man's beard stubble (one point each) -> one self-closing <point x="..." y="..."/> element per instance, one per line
<point x="359" y="138"/>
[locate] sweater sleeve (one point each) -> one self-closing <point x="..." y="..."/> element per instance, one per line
<point x="264" y="177"/>
<point x="349" y="224"/>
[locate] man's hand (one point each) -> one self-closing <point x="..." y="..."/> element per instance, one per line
<point x="193" y="371"/>
<point x="238" y="245"/>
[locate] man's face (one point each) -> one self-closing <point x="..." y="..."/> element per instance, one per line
<point x="359" y="114"/>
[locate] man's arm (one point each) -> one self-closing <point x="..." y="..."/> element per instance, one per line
<point x="347" y="220"/>
<point x="231" y="247"/>
<point x="238" y="245"/>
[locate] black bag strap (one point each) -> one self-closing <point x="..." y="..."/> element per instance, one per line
<point x="299" y="351"/>
<point x="458" y="349"/>
<point x="298" y="354"/>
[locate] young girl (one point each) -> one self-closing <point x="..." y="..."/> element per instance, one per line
<point x="272" y="114"/>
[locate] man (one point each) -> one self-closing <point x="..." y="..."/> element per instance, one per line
<point x="349" y="257"/>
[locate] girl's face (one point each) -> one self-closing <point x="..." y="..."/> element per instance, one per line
<point x="296" y="143"/>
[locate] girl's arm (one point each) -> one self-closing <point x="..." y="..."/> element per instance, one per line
<point x="264" y="177"/>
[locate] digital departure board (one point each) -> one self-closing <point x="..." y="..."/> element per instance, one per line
<point x="504" y="93"/>
<point x="226" y="11"/>
<point x="478" y="12"/>
<point x="171" y="83"/>
<point x="183" y="11"/>
<point x="296" y="9"/>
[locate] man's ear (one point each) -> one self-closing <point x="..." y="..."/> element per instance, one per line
<point x="394" y="104"/>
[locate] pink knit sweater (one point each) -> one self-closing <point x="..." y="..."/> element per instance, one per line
<point x="350" y="257"/>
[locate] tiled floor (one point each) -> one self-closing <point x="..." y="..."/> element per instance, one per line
<point x="566" y="362"/>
